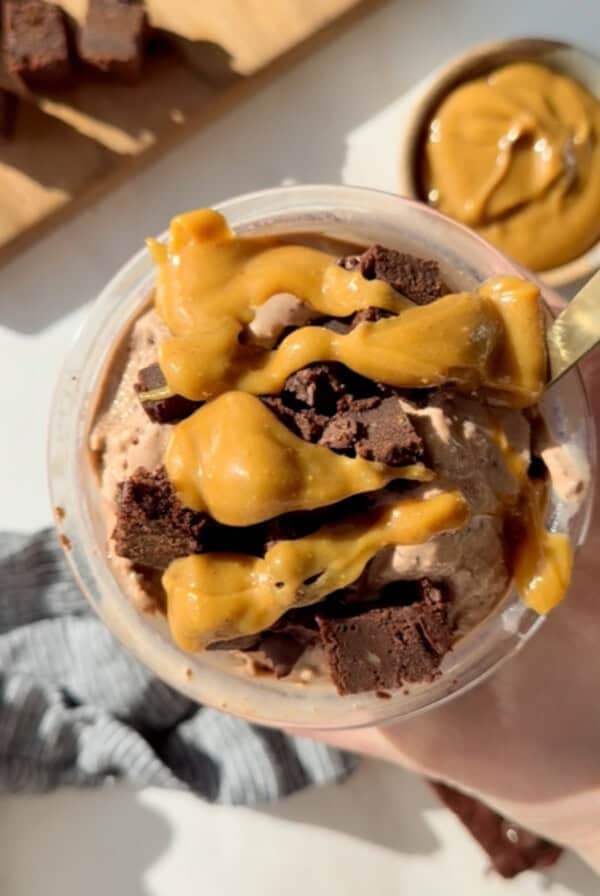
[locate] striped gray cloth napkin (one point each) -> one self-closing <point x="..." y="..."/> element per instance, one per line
<point x="76" y="709"/>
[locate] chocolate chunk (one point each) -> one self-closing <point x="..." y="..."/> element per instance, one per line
<point x="418" y="279"/>
<point x="383" y="646"/>
<point x="304" y="422"/>
<point x="112" y="38"/>
<point x="36" y="43"/>
<point x="162" y="410"/>
<point x="511" y="848"/>
<point x="323" y="385"/>
<point x="153" y="527"/>
<point x="317" y="386"/>
<point x="329" y="404"/>
<point x="341" y="433"/>
<point x="375" y="429"/>
<point x="9" y="105"/>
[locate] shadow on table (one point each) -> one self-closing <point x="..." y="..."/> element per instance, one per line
<point x="108" y="842"/>
<point x="386" y="807"/>
<point x="378" y="804"/>
<point x="573" y="873"/>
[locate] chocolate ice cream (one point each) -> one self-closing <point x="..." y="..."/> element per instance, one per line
<point x="303" y="454"/>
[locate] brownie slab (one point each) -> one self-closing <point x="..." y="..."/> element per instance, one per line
<point x="330" y="405"/>
<point x="161" y="410"/>
<point x="153" y="527"/>
<point x="375" y="429"/>
<point x="400" y="639"/>
<point x="36" y="43"/>
<point x="112" y="38"/>
<point x="418" y="279"/>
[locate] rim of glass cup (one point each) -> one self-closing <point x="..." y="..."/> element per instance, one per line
<point x="358" y="215"/>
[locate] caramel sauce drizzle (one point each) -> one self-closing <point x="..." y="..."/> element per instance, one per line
<point x="233" y="459"/>
<point x="214" y="596"/>
<point x="211" y="282"/>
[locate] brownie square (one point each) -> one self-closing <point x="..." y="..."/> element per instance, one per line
<point x="36" y="43"/>
<point x="112" y="38"/>
<point x="383" y="647"/>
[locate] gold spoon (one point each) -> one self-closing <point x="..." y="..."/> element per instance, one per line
<point x="576" y="331"/>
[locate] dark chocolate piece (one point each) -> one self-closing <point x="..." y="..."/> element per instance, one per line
<point x="112" y="38"/>
<point x="511" y="848"/>
<point x="305" y="422"/>
<point x="418" y="279"/>
<point x="162" y="410"/>
<point x="153" y="527"/>
<point x="9" y="105"/>
<point x="312" y="395"/>
<point x="36" y="43"/>
<point x="317" y="386"/>
<point x="381" y="647"/>
<point x="319" y="404"/>
<point x="374" y="429"/>
<point x="322" y="386"/>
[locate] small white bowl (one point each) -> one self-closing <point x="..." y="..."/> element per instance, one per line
<point x="474" y="63"/>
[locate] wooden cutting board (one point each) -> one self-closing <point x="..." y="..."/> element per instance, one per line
<point x="69" y="145"/>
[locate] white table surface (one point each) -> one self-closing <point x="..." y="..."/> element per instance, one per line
<point x="380" y="833"/>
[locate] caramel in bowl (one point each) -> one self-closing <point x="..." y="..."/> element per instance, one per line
<point x="492" y="152"/>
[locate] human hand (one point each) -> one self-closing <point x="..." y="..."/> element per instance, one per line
<point x="527" y="740"/>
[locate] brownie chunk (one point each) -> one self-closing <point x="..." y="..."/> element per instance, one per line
<point x="153" y="527"/>
<point x="162" y="410"/>
<point x="375" y="429"/>
<point x="331" y="405"/>
<point x="112" y="38"/>
<point x="418" y="279"/>
<point x="36" y="43"/>
<point x="382" y="646"/>
<point x="318" y="386"/>
<point x="511" y="848"/>
<point x="306" y="423"/>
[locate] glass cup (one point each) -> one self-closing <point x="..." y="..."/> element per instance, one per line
<point x="216" y="678"/>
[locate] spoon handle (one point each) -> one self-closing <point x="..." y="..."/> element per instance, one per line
<point x="576" y="331"/>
